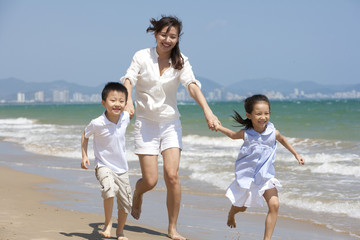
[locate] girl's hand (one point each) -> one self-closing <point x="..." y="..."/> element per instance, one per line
<point x="300" y="159"/>
<point x="212" y="121"/>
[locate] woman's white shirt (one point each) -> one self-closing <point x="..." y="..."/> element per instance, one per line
<point x="155" y="95"/>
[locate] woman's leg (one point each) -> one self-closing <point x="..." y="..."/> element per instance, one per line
<point x="171" y="158"/>
<point x="149" y="170"/>
<point x="272" y="199"/>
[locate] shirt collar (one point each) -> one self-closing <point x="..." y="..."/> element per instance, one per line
<point x="269" y="129"/>
<point x="155" y="55"/>
<point x="107" y="121"/>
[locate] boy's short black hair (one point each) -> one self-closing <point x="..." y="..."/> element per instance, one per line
<point x="113" y="86"/>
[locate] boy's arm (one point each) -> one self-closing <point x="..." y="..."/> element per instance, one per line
<point x="230" y="133"/>
<point x="84" y="145"/>
<point x="288" y="146"/>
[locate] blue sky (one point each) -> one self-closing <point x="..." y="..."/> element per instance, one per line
<point x="91" y="42"/>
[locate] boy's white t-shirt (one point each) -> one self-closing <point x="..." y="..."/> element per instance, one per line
<point x="109" y="142"/>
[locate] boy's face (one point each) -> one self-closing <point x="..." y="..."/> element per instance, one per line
<point x="114" y="103"/>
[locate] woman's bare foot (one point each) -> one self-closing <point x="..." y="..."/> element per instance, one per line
<point x="121" y="236"/>
<point x="176" y="236"/>
<point x="106" y="232"/>
<point x="136" y="206"/>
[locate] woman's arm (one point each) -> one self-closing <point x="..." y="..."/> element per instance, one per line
<point x="198" y="96"/>
<point x="289" y="147"/>
<point x="129" y="105"/>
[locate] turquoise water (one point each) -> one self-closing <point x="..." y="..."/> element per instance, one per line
<point x="315" y="119"/>
<point x="326" y="132"/>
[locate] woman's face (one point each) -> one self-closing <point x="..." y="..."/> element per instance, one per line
<point x="166" y="40"/>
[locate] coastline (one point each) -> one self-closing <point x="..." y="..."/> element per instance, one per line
<point x="30" y="210"/>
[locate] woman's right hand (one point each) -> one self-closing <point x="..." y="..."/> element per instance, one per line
<point x="130" y="108"/>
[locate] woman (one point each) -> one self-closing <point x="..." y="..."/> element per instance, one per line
<point x="157" y="73"/>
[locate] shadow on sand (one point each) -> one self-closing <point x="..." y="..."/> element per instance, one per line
<point x="95" y="235"/>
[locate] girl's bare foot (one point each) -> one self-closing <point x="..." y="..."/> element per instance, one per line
<point x="231" y="222"/>
<point x="121" y="236"/>
<point x="106" y="232"/>
<point x="176" y="236"/>
<point x="136" y="206"/>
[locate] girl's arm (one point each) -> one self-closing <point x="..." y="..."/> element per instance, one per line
<point x="84" y="145"/>
<point x="129" y="104"/>
<point x="230" y="133"/>
<point x="288" y="146"/>
<point x="197" y="95"/>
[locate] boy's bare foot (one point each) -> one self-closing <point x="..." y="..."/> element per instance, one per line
<point x="106" y="232"/>
<point x="121" y="236"/>
<point x="136" y="206"/>
<point x="231" y="222"/>
<point x="176" y="236"/>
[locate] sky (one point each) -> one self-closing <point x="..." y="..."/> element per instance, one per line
<point x="91" y="42"/>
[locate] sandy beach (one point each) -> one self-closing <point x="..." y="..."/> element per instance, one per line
<point x="26" y="213"/>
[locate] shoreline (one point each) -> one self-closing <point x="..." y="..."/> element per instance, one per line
<point x="44" y="214"/>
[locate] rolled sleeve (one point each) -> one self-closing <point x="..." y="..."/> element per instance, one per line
<point x="133" y="71"/>
<point x="187" y="75"/>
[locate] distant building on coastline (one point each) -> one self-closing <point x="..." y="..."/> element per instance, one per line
<point x="20" y="97"/>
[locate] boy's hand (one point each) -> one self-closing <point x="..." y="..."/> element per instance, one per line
<point x="85" y="163"/>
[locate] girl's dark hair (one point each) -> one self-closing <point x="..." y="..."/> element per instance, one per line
<point x="249" y="107"/>
<point x="169" y="21"/>
<point x="113" y="86"/>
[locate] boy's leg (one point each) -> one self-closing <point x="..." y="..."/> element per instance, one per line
<point x="271" y="197"/>
<point x="231" y="222"/>
<point x="149" y="170"/>
<point x="108" y="207"/>
<point x="122" y="215"/>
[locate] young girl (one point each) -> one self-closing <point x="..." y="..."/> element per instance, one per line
<point x="254" y="167"/>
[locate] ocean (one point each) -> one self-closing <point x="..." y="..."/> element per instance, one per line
<point x="326" y="133"/>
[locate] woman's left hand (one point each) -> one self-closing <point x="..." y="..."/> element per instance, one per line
<point x="212" y="121"/>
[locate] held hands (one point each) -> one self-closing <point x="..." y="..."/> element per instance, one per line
<point x="212" y="121"/>
<point x="130" y="108"/>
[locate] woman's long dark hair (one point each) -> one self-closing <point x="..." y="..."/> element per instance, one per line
<point x="169" y="21"/>
<point x="249" y="107"/>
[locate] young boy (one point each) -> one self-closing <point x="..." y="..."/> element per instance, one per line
<point x="111" y="168"/>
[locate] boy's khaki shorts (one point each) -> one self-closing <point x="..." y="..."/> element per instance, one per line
<point x="115" y="185"/>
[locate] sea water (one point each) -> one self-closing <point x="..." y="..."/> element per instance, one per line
<point x="325" y="132"/>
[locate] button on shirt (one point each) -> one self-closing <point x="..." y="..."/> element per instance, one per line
<point x="109" y="142"/>
<point x="155" y="95"/>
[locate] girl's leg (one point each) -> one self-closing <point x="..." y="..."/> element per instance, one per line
<point x="171" y="158"/>
<point x="122" y="215"/>
<point x="149" y="170"/>
<point x="231" y="216"/>
<point x="108" y="207"/>
<point x="272" y="199"/>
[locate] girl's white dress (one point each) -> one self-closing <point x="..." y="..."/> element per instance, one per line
<point x="254" y="168"/>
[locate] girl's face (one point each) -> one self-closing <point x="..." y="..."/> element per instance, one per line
<point x="259" y="116"/>
<point x="166" y="40"/>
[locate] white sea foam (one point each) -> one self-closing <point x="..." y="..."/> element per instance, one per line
<point x="349" y="208"/>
